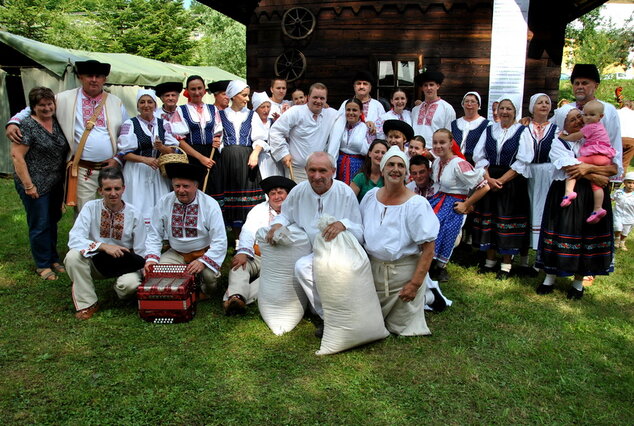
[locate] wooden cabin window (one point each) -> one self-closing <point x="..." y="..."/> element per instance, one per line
<point x="395" y="73"/>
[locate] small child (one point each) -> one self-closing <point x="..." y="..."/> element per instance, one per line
<point x="623" y="211"/>
<point x="596" y="150"/>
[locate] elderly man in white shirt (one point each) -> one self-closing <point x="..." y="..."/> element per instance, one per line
<point x="191" y="222"/>
<point x="75" y="109"/>
<point x="245" y="265"/>
<point x="307" y="202"/>
<point x="302" y="130"/>
<point x="106" y="241"/>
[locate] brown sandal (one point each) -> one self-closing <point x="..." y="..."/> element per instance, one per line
<point x="46" y="274"/>
<point x="59" y="268"/>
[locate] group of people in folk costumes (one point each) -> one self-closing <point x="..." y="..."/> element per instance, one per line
<point x="408" y="185"/>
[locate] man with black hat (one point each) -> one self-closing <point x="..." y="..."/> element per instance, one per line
<point x="585" y="80"/>
<point x="219" y="90"/>
<point x="372" y="109"/>
<point x="434" y="113"/>
<point x="245" y="266"/>
<point x="192" y="223"/>
<point x="75" y="109"/>
<point x="106" y="241"/>
<point x="169" y="93"/>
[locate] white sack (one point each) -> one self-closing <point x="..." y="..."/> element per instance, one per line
<point x="352" y="312"/>
<point x="281" y="299"/>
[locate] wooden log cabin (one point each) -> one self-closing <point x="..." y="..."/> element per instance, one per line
<point x="311" y="40"/>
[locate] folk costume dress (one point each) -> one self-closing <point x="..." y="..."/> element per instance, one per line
<point x="467" y="134"/>
<point x="568" y="245"/>
<point x="144" y="185"/>
<point x="405" y="116"/>
<point x="431" y="116"/>
<point x="392" y="237"/>
<point x="454" y="180"/>
<point x="268" y="166"/>
<point x="203" y="123"/>
<point x="501" y="218"/>
<point x="178" y="126"/>
<point x="351" y="143"/>
<point x="241" y="131"/>
<point x="541" y="173"/>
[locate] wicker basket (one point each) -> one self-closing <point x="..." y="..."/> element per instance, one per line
<point x="171" y="158"/>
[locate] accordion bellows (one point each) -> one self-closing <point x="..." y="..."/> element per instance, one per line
<point x="167" y="295"/>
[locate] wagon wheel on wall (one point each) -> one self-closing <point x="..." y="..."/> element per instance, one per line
<point x="290" y="65"/>
<point x="298" y="23"/>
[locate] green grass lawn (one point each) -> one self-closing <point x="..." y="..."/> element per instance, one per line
<point x="500" y="355"/>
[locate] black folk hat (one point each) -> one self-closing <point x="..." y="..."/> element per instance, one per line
<point x="585" y="71"/>
<point x="92" y="67"/>
<point x="186" y="171"/>
<point x="399" y="125"/>
<point x="164" y="88"/>
<point x="218" y="86"/>
<point x="435" y="76"/>
<point x="273" y="182"/>
<point x="364" y="76"/>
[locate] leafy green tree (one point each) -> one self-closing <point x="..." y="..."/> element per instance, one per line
<point x="596" y="40"/>
<point x="221" y="40"/>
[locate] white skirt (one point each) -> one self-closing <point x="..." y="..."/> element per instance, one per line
<point x="143" y="187"/>
<point x="538" y="187"/>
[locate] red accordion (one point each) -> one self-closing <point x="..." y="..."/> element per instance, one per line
<point x="167" y="295"/>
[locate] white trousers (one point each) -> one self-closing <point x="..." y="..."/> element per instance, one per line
<point x="86" y="187"/>
<point x="209" y="276"/>
<point x="240" y="280"/>
<point x="305" y="277"/>
<point x="82" y="272"/>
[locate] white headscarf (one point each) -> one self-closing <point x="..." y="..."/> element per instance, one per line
<point x="515" y="100"/>
<point x="235" y="87"/>
<point x="533" y="101"/>
<point x="394" y="151"/>
<point x="476" y="94"/>
<point x="560" y="115"/>
<point x="258" y="99"/>
<point x="149" y="92"/>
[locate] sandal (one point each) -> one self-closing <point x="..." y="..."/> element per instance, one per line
<point x="567" y="200"/>
<point x="596" y="216"/>
<point x="46" y="274"/>
<point x="59" y="268"/>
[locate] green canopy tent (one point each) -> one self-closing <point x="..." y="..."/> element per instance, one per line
<point x="41" y="64"/>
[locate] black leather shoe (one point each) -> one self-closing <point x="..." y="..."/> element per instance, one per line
<point x="443" y="275"/>
<point x="439" y="304"/>
<point x="544" y="289"/>
<point x="502" y="275"/>
<point x="525" y="271"/>
<point x="486" y="270"/>
<point x="574" y="294"/>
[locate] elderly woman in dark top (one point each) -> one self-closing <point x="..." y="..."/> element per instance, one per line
<point x="39" y="170"/>
<point x="568" y="245"/>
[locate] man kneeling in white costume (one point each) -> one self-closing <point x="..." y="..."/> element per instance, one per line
<point x="106" y="241"/>
<point x="191" y="222"/>
<point x="306" y="203"/>
<point x="399" y="228"/>
<point x="245" y="265"/>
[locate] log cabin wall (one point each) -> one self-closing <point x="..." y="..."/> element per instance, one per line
<point x="452" y="36"/>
